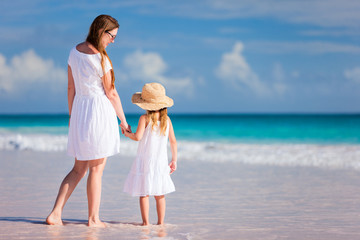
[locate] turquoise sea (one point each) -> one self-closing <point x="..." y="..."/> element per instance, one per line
<point x="246" y="128"/>
<point x="331" y="141"/>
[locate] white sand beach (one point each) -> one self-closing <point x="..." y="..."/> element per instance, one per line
<point x="212" y="201"/>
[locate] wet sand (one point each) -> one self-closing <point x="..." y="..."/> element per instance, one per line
<point x="212" y="201"/>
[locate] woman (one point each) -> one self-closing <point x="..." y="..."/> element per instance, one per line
<point x="93" y="104"/>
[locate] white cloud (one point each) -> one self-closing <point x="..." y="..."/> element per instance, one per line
<point x="329" y="13"/>
<point x="5" y="73"/>
<point x="150" y="67"/>
<point x="314" y="47"/>
<point x="27" y="69"/>
<point x="318" y="12"/>
<point x="353" y="74"/>
<point x="235" y="70"/>
<point x="330" y="32"/>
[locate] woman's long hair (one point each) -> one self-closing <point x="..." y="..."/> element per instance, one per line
<point x="99" y="26"/>
<point x="163" y="119"/>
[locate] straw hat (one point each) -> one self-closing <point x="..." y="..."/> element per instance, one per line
<point x="152" y="97"/>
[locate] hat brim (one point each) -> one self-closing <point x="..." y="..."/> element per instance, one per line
<point x="164" y="103"/>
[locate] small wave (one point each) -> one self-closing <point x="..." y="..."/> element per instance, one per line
<point x="42" y="143"/>
<point x="345" y="156"/>
<point x="313" y="155"/>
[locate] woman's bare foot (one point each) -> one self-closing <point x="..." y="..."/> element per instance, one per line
<point x="96" y="223"/>
<point x="145" y="224"/>
<point x="54" y="219"/>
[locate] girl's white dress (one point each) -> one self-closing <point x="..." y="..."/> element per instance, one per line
<point x="150" y="171"/>
<point x="93" y="130"/>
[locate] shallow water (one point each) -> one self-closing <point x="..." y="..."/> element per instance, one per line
<point x="337" y="156"/>
<point x="227" y="200"/>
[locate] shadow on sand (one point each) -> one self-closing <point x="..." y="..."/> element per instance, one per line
<point x="37" y="220"/>
<point x="33" y="220"/>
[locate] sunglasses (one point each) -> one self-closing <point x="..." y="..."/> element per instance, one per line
<point x="112" y="36"/>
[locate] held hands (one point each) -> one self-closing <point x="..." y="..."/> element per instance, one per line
<point x="127" y="133"/>
<point x="125" y="128"/>
<point x="173" y="166"/>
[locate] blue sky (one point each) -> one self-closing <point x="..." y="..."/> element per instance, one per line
<point x="213" y="56"/>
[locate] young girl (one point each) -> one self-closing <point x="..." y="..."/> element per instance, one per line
<point x="150" y="172"/>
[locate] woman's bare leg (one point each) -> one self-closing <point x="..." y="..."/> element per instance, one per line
<point x="96" y="168"/>
<point x="66" y="188"/>
<point x="144" y="209"/>
<point x="160" y="208"/>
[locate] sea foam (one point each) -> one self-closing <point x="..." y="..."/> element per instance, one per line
<point x="314" y="155"/>
<point x="34" y="142"/>
<point x="338" y="156"/>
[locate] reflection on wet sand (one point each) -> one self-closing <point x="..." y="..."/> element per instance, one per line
<point x="56" y="232"/>
<point x="92" y="233"/>
<point x="148" y="232"/>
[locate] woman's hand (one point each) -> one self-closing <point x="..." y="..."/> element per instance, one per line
<point x="129" y="129"/>
<point x="173" y="166"/>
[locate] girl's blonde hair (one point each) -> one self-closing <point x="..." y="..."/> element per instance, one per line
<point x="99" y="26"/>
<point x="150" y="115"/>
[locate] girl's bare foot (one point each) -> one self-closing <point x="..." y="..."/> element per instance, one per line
<point x="54" y="219"/>
<point x="145" y="224"/>
<point x="97" y="223"/>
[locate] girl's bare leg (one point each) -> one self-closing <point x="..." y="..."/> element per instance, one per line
<point x="96" y="168"/>
<point x="160" y="208"/>
<point x="144" y="208"/>
<point x="66" y="188"/>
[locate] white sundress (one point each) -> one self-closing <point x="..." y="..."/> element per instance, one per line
<point x="93" y="131"/>
<point x="150" y="171"/>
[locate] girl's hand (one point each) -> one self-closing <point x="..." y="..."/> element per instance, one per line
<point x="173" y="166"/>
<point x="125" y="127"/>
<point x="127" y="133"/>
